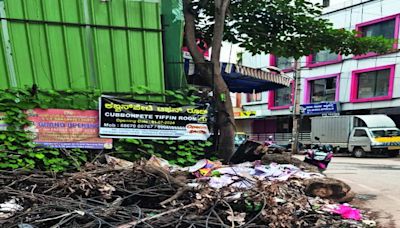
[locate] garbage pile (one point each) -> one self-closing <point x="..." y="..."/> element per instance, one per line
<point x="154" y="193"/>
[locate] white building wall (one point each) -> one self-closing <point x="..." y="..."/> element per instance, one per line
<point x="345" y="18"/>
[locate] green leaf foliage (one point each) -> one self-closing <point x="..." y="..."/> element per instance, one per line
<point x="176" y="152"/>
<point x="287" y="28"/>
<point x="17" y="149"/>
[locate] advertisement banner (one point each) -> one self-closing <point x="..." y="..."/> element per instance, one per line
<point x="126" y="118"/>
<point x="63" y="128"/>
<point x="3" y="125"/>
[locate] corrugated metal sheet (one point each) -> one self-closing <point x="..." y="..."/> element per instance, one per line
<point x="173" y="30"/>
<point x="81" y="44"/>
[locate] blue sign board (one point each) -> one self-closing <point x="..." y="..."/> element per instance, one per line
<point x="319" y="108"/>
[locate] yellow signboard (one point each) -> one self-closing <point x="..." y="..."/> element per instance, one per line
<point x="245" y="114"/>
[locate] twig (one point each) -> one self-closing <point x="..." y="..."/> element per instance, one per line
<point x="180" y="221"/>
<point x="97" y="156"/>
<point x="63" y="221"/>
<point x="99" y="219"/>
<point x="161" y="173"/>
<point x="178" y="194"/>
<point x="134" y="223"/>
<point x="68" y="154"/>
<point x="98" y="171"/>
<point x="16" y="181"/>
<point x="46" y="197"/>
<point x="219" y="218"/>
<point x="209" y="214"/>
<point x="54" y="218"/>
<point x="52" y="188"/>
<point x="33" y="189"/>
<point x="232" y="212"/>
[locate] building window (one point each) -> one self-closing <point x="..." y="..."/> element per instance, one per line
<point x="283" y="63"/>
<point x="321" y="58"/>
<point x="373" y="84"/>
<point x="384" y="28"/>
<point x="324" y="88"/>
<point x="253" y="97"/>
<point x="281" y="98"/>
<point x="387" y="27"/>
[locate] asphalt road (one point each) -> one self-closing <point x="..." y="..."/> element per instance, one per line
<point x="376" y="182"/>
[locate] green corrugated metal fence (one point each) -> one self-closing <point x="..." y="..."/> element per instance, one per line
<point x="81" y="44"/>
<point x="173" y="34"/>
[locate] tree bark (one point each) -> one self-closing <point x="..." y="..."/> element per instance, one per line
<point x="224" y="106"/>
<point x="226" y="119"/>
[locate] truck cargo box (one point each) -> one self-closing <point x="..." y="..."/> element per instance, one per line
<point x="331" y="129"/>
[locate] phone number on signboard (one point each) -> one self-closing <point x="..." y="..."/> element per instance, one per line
<point x="136" y="125"/>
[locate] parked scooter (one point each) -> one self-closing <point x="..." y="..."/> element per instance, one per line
<point x="319" y="156"/>
<point x="273" y="147"/>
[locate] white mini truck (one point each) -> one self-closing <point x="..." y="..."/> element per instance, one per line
<point x="358" y="134"/>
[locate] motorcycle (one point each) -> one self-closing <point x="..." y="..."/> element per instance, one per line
<point x="273" y="147"/>
<point x="319" y="156"/>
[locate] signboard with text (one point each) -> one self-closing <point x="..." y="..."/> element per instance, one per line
<point x="127" y="118"/>
<point x="64" y="128"/>
<point x="245" y="114"/>
<point x="320" y="108"/>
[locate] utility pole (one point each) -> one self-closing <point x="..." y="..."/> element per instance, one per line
<point x="296" y="107"/>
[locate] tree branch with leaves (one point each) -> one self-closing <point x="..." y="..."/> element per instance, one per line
<point x="287" y="28"/>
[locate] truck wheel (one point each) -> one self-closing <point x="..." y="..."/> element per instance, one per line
<point x="358" y="152"/>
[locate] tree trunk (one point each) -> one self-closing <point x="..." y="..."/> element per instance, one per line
<point x="226" y="121"/>
<point x="223" y="101"/>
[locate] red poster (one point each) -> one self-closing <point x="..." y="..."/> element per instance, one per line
<point x="63" y="128"/>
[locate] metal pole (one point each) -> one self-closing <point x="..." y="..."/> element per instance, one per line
<point x="296" y="107"/>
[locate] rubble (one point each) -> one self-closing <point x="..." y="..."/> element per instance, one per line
<point x="155" y="194"/>
<point x="330" y="188"/>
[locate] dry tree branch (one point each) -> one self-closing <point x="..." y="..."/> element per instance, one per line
<point x="232" y="212"/>
<point x="134" y="223"/>
<point x="183" y="188"/>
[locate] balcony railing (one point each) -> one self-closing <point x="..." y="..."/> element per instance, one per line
<point x="281" y="138"/>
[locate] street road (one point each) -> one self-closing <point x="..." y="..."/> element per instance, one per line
<point x="376" y="182"/>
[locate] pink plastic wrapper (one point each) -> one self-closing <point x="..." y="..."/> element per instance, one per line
<point x="348" y="212"/>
